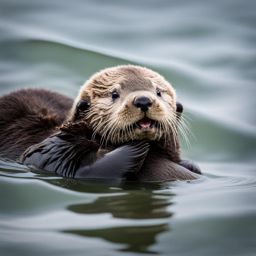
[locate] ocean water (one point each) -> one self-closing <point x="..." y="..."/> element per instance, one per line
<point x="207" y="50"/>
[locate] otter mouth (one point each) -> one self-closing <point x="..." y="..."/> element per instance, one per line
<point x="145" y="124"/>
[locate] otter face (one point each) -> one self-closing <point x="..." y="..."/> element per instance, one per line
<point x="130" y="103"/>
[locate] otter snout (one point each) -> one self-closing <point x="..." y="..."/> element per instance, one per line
<point x="143" y="103"/>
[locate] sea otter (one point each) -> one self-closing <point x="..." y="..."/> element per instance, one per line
<point x="122" y="125"/>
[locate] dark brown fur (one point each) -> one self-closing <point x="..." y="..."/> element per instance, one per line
<point x="70" y="149"/>
<point x="27" y="117"/>
<point x="160" y="164"/>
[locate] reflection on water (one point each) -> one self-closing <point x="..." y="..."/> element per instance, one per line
<point x="128" y="206"/>
<point x="135" y="239"/>
<point x="142" y="211"/>
<point x="206" y="49"/>
<point x="127" y="203"/>
<point x="131" y="218"/>
<point x="137" y="205"/>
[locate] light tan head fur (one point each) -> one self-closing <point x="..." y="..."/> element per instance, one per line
<point x="116" y="119"/>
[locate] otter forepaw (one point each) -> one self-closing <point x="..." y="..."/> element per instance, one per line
<point x="190" y="166"/>
<point x="136" y="153"/>
<point x="123" y="162"/>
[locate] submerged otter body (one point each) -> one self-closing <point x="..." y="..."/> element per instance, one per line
<point x="123" y="124"/>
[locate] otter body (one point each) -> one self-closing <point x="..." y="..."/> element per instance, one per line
<point x="27" y="117"/>
<point x="123" y="124"/>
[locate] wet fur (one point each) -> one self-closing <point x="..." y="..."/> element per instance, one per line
<point x="27" y="117"/>
<point x="114" y="120"/>
<point x="30" y="116"/>
<point x="69" y="152"/>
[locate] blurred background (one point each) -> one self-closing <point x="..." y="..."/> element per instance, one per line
<point x="206" y="50"/>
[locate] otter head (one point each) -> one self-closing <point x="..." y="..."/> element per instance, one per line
<point x="128" y="103"/>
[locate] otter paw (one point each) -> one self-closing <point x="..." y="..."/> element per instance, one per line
<point x="190" y="166"/>
<point x="117" y="164"/>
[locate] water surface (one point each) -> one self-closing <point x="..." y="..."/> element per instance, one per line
<point x="206" y="49"/>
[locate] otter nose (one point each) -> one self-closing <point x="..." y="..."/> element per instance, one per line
<point x="143" y="103"/>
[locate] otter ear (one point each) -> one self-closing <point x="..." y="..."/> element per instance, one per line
<point x="81" y="107"/>
<point x="179" y="107"/>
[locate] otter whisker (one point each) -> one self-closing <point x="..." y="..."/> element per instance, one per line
<point x="184" y="137"/>
<point x="130" y="131"/>
<point x="184" y="134"/>
<point x="116" y="127"/>
<point x="160" y="128"/>
<point x="114" y="130"/>
<point x="184" y="129"/>
<point x="170" y="130"/>
<point x="185" y="123"/>
<point x="105" y="134"/>
<point x="172" y="124"/>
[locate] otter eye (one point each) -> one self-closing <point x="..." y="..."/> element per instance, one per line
<point x="158" y="93"/>
<point x="115" y="95"/>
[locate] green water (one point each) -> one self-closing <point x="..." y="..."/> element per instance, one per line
<point x="206" y="49"/>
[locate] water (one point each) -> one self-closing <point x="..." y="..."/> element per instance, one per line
<point x="206" y="49"/>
